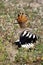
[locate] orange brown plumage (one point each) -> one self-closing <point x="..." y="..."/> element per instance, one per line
<point x="22" y="18"/>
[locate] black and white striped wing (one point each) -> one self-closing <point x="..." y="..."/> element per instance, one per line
<point x="23" y="37"/>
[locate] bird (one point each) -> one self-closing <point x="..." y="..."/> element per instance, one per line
<point x="26" y="39"/>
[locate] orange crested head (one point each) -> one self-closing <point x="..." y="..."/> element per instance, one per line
<point x="22" y="18"/>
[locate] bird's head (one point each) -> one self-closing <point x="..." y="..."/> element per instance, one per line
<point x="22" y="18"/>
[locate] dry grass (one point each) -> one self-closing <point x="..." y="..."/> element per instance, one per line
<point x="9" y="31"/>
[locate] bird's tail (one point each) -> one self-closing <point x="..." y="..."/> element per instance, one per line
<point x="18" y="43"/>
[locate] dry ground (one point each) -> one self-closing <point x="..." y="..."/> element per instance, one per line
<point x="9" y="31"/>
